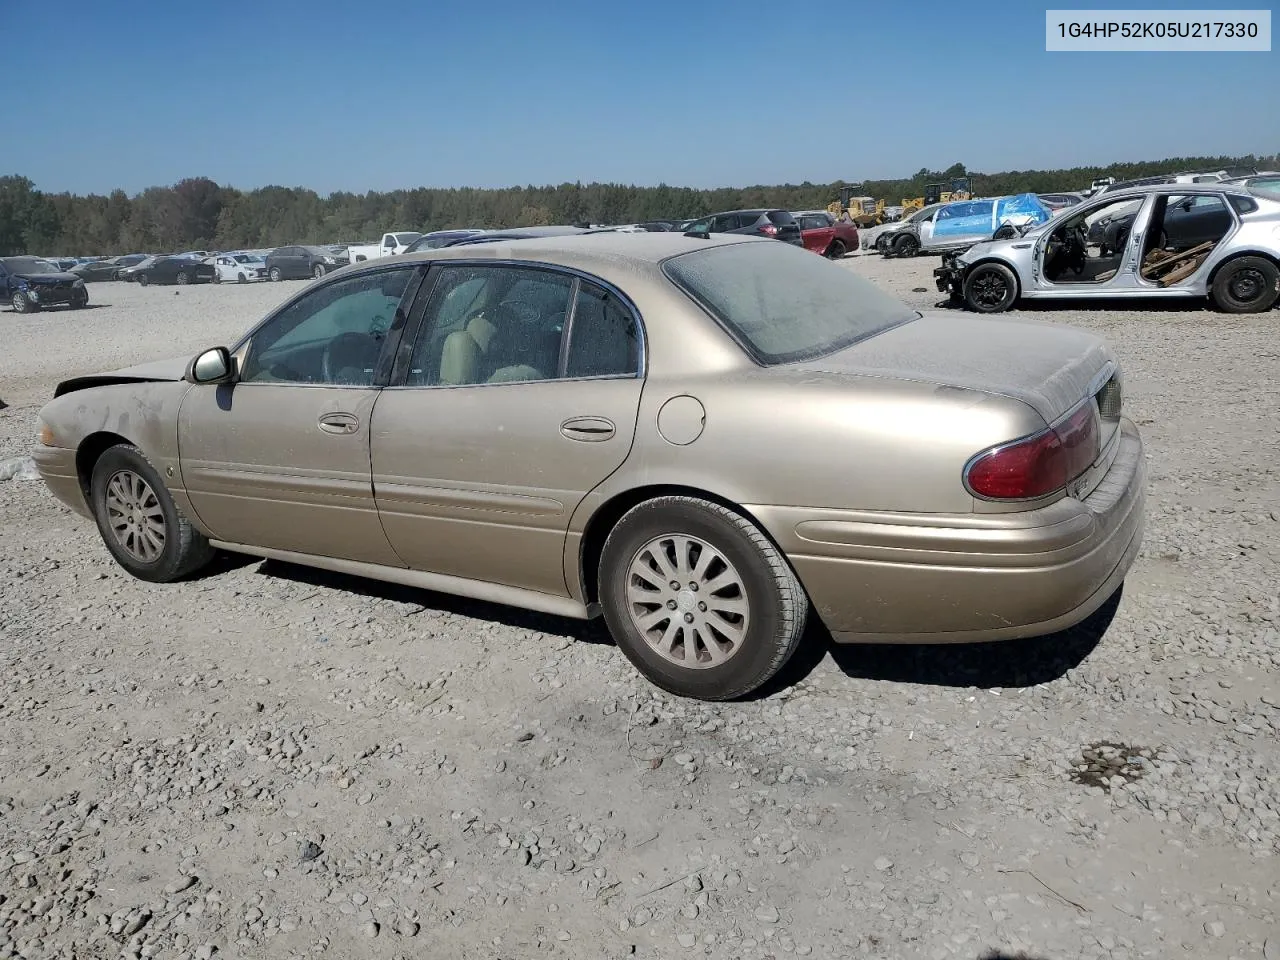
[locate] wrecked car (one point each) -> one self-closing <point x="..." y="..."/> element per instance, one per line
<point x="962" y="223"/>
<point x="1220" y="241"/>
<point x="29" y="284"/>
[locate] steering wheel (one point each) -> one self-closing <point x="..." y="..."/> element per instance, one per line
<point x="517" y="311"/>
<point x="353" y="344"/>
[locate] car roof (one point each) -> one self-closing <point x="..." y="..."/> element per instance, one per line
<point x="588" y="251"/>
<point x="1180" y="188"/>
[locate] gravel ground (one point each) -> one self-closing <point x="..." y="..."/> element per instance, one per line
<point x="273" y="762"/>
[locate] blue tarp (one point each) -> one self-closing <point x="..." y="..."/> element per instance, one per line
<point x="981" y="218"/>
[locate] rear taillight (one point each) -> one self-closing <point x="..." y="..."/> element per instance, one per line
<point x="769" y="229"/>
<point x="1037" y="465"/>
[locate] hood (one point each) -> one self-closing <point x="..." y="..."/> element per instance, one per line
<point x="1049" y="367"/>
<point x="156" y="370"/>
<point x="47" y="279"/>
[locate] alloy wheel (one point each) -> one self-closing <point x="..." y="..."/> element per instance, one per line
<point x="688" y="601"/>
<point x="135" y="516"/>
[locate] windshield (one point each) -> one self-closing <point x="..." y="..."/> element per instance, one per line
<point x="407" y="237"/>
<point x="245" y="258"/>
<point x="783" y="303"/>
<point x="30" y="265"/>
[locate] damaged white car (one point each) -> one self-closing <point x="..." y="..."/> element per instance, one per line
<point x="1219" y="240"/>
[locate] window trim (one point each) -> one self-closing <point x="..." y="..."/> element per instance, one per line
<point x="420" y="324"/>
<point x="395" y="333"/>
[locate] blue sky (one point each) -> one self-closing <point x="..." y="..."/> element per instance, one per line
<point x="373" y="96"/>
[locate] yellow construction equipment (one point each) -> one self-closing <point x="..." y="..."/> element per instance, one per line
<point x="961" y="189"/>
<point x="864" y="211"/>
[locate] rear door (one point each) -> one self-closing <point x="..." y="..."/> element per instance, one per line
<point x="520" y="396"/>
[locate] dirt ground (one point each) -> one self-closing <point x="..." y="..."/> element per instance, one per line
<point x="271" y="762"/>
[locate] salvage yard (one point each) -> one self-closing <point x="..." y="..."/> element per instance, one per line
<point x="269" y="761"/>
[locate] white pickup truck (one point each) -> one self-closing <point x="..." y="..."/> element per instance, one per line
<point x="392" y="243"/>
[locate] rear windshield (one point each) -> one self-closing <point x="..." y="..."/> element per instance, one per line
<point x="780" y="217"/>
<point x="781" y="302"/>
<point x="1267" y="187"/>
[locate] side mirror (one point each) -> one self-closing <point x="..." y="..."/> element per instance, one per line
<point x="211" y="366"/>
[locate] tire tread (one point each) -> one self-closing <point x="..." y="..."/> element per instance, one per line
<point x="193" y="549"/>
<point x="793" y="601"/>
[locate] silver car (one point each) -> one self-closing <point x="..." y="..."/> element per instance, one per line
<point x="1219" y="240"/>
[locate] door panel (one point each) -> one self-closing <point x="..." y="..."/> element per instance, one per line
<point x="261" y="469"/>
<point x="480" y="481"/>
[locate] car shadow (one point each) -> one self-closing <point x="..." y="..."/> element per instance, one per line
<point x="995" y="664"/>
<point x="421" y="600"/>
<point x="1110" y="305"/>
<point x="59" y="308"/>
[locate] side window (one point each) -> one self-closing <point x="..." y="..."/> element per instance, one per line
<point x="700" y="226"/>
<point x="491" y="325"/>
<point x="331" y="335"/>
<point x="604" y="339"/>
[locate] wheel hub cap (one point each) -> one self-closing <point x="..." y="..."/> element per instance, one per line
<point x="688" y="601"/>
<point x="134" y="516"/>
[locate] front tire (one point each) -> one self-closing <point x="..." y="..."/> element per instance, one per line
<point x="1246" y="285"/>
<point x="142" y="280"/>
<point x="990" y="288"/>
<point x="699" y="599"/>
<point x="906" y="245"/>
<point x="275" y="274"/>
<point x="318" y="272"/>
<point x="240" y="278"/>
<point x="22" y="303"/>
<point x="80" y="302"/>
<point x="139" y="522"/>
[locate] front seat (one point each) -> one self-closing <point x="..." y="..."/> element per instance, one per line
<point x="462" y="356"/>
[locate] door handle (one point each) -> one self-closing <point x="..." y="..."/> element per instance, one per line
<point x="339" y="423"/>
<point x="588" y="429"/>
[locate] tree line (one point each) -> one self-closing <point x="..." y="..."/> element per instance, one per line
<point x="198" y="213"/>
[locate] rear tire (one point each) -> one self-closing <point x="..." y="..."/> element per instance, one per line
<point x="990" y="288"/>
<point x="739" y="572"/>
<point x="139" y="522"/>
<point x="182" y="279"/>
<point x="1246" y="285"/>
<point x="836" y="250"/>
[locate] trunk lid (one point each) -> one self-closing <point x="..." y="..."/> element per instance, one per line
<point x="1049" y="367"/>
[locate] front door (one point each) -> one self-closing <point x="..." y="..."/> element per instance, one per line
<point x="1097" y="247"/>
<point x="280" y="458"/>
<point x="519" y="398"/>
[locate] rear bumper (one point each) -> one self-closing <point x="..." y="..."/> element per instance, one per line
<point x="919" y="578"/>
<point x="57" y="468"/>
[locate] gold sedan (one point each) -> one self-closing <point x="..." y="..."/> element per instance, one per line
<point x="705" y="439"/>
